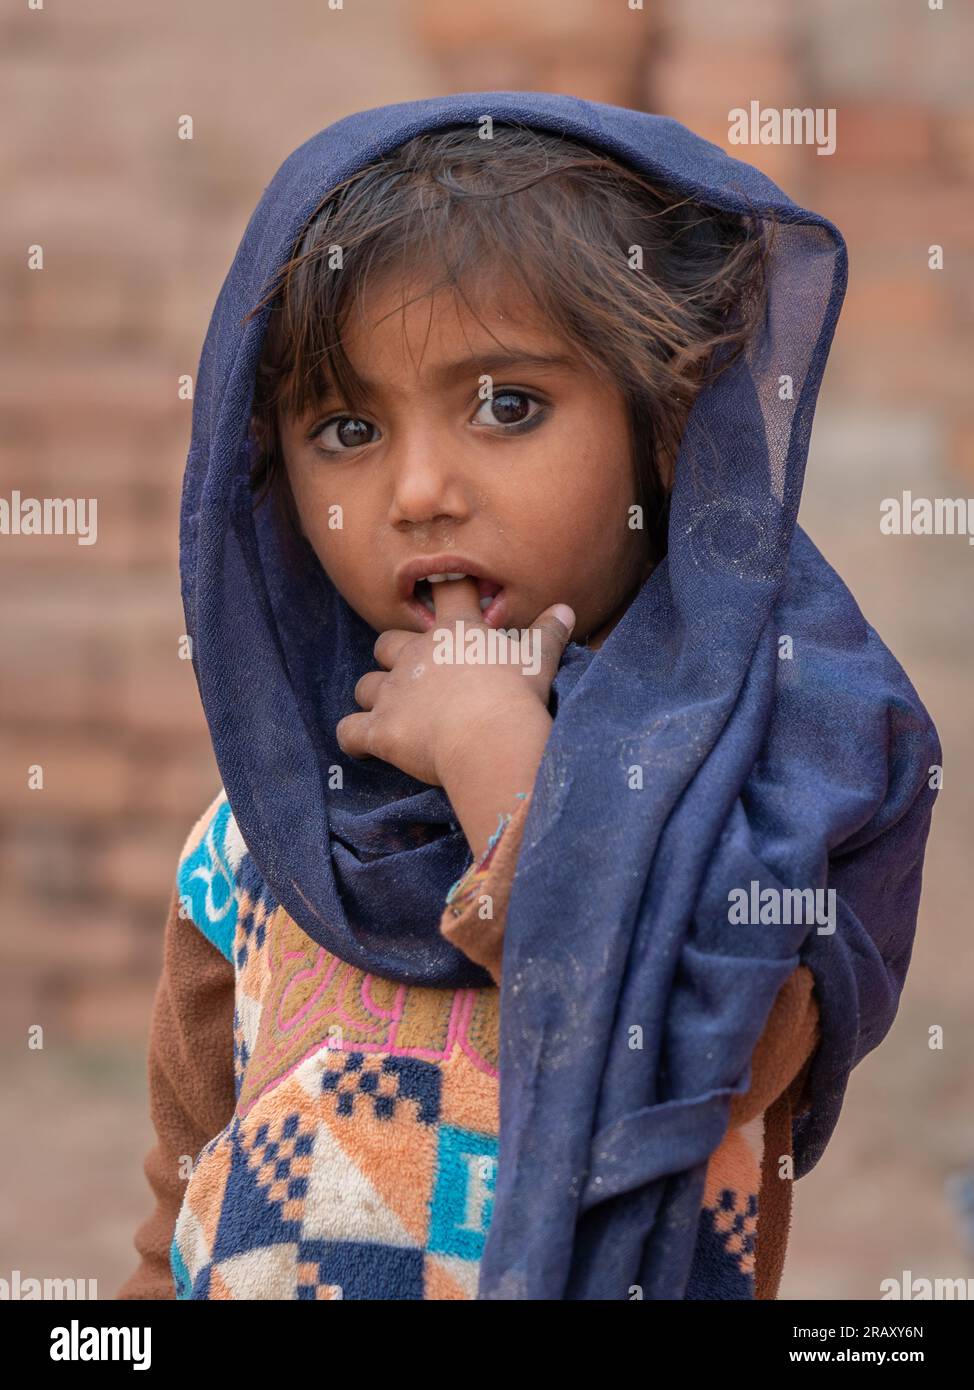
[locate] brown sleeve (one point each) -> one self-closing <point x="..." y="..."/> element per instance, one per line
<point x="191" y="1085"/>
<point x="783" y="1049"/>
<point x="779" y="1069"/>
<point x="482" y="939"/>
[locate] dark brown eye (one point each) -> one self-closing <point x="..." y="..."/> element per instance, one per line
<point x="345" y="432"/>
<point x="508" y="408"/>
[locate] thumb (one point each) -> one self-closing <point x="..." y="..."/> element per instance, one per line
<point x="556" y="624"/>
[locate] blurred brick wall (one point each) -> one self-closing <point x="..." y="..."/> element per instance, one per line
<point x="587" y="48"/>
<point x="900" y="179"/>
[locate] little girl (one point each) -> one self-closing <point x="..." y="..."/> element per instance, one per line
<point x="452" y="1004"/>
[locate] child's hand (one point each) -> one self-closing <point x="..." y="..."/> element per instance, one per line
<point x="423" y="713"/>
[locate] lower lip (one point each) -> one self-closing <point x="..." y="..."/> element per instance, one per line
<point x="494" y="616"/>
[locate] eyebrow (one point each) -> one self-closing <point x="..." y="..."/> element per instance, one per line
<point x="484" y="364"/>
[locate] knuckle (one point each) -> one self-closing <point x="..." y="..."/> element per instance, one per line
<point x="373" y="738"/>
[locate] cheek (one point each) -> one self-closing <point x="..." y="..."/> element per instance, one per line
<point x="593" y="471"/>
<point x="344" y="550"/>
<point x="314" y="495"/>
<point x="300" y="482"/>
<point x="312" y="500"/>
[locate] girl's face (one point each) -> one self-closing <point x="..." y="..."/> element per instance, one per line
<point x="528" y="489"/>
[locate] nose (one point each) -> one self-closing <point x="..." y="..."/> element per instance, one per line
<point x="427" y="484"/>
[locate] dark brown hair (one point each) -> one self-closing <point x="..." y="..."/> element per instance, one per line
<point x="562" y="220"/>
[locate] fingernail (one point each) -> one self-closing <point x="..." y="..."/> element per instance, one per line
<point x="564" y="615"/>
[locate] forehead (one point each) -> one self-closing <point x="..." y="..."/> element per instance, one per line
<point x="418" y="325"/>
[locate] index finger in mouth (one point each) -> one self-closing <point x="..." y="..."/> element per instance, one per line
<point x="457" y="598"/>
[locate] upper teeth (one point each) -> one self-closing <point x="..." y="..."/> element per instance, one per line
<point x="438" y="578"/>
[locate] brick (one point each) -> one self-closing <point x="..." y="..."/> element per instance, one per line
<point x="125" y="539"/>
<point x="955" y="141"/>
<point x="108" y="1011"/>
<point x="177" y="781"/>
<point x="48" y="863"/>
<point x="101" y="390"/>
<point x="870" y="49"/>
<point x="883" y="212"/>
<point x="79" y="778"/>
<point x="443" y="25"/>
<point x="157" y="691"/>
<point x="878" y="135"/>
<point x="960" y="457"/>
<point x="583" y="48"/>
<point x="21" y="1007"/>
<point x="138" y="865"/>
<point x="701" y="78"/>
<point x="936" y="374"/>
<point x="72" y="32"/>
<point x="879" y="304"/>
<point x="84" y="942"/>
<point x="48" y="677"/>
<point x="612" y="78"/>
<point x="98" y="654"/>
<point x="746" y="24"/>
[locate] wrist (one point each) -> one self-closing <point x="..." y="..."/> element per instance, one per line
<point x="488" y="772"/>
<point x="495" y="736"/>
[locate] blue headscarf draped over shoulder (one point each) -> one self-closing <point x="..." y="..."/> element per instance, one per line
<point x="809" y="773"/>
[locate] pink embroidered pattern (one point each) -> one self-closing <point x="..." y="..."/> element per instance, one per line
<point x="299" y="998"/>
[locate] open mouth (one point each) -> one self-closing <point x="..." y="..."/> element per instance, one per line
<point x="490" y="592"/>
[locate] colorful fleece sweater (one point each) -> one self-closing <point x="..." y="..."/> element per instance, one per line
<point x="323" y="1133"/>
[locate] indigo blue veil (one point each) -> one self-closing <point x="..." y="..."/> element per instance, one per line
<point x="687" y="759"/>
